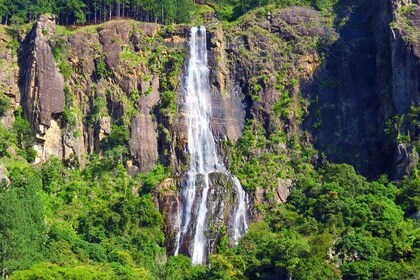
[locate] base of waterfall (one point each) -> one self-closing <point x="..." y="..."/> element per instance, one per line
<point x="222" y="207"/>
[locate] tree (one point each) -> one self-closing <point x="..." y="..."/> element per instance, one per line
<point x="22" y="228"/>
<point x="409" y="196"/>
<point x="75" y="7"/>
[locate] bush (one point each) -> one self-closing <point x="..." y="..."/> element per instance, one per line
<point x="101" y="71"/>
<point x="4" y="104"/>
<point x="152" y="179"/>
<point x="115" y="144"/>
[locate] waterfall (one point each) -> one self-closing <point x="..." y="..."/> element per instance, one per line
<point x="240" y="224"/>
<point x="204" y="159"/>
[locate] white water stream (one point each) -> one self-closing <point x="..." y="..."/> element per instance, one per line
<point x="203" y="155"/>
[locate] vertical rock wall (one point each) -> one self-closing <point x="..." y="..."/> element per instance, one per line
<point x="42" y="89"/>
<point x="371" y="74"/>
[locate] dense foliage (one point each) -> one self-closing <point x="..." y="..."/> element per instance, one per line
<point x="163" y="11"/>
<point x="81" y="11"/>
<point x="232" y="9"/>
<point x="59" y="221"/>
<point x="100" y="223"/>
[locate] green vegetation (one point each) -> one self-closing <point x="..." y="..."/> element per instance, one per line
<point x="168" y="104"/>
<point x="97" y="222"/>
<point x="60" y="51"/>
<point x="100" y="65"/>
<point x="18" y="140"/>
<point x="4" y="104"/>
<point x="334" y="218"/>
<point x="115" y="145"/>
<point x="69" y="116"/>
<point x="233" y="9"/>
<point x="81" y="11"/>
<point x="22" y="221"/>
<point x="99" y="109"/>
<point x="163" y="11"/>
<point x="400" y="127"/>
<point x="152" y="179"/>
<point x="78" y="224"/>
<point x="404" y="22"/>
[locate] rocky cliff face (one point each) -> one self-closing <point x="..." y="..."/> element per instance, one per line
<point x="9" y="89"/>
<point x="405" y="83"/>
<point x="115" y="74"/>
<point x="42" y="88"/>
<point x="118" y="89"/>
<point x="348" y="121"/>
<point x="105" y="83"/>
<point x="370" y="76"/>
<point x="350" y="88"/>
<point x="117" y="67"/>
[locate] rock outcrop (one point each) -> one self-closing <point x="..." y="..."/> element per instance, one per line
<point x="9" y="90"/>
<point x="371" y="74"/>
<point x="228" y="108"/>
<point x="405" y="81"/>
<point x="143" y="140"/>
<point x="115" y="74"/>
<point x="42" y="88"/>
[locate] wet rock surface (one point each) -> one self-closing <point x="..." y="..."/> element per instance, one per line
<point x="405" y="160"/>
<point x="221" y="205"/>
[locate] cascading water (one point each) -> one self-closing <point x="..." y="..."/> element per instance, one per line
<point x="204" y="159"/>
<point x="240" y="224"/>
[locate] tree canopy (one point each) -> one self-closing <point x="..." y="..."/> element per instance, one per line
<point x="81" y="11"/>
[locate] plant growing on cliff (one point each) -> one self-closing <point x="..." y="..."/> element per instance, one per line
<point x="22" y="129"/>
<point x="69" y="116"/>
<point x="395" y="126"/>
<point x="4" y="104"/>
<point x="99" y="109"/>
<point x="168" y="104"/>
<point x="100" y="66"/>
<point x="115" y="144"/>
<point x="18" y="140"/>
<point x="283" y="107"/>
<point x="415" y="116"/>
<point x="405" y="23"/>
<point x="60" y="51"/>
<point x="149" y="181"/>
<point x="7" y="140"/>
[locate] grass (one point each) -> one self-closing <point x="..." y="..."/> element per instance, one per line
<point x="71" y="30"/>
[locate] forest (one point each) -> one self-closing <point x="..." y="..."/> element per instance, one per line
<point x="64" y="219"/>
<point x="163" y="11"/>
<point x="88" y="224"/>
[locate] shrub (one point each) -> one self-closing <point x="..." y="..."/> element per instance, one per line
<point x="101" y="71"/>
<point x="4" y="104"/>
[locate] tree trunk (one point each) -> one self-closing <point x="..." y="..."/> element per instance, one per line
<point x="162" y="19"/>
<point x="110" y="11"/>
